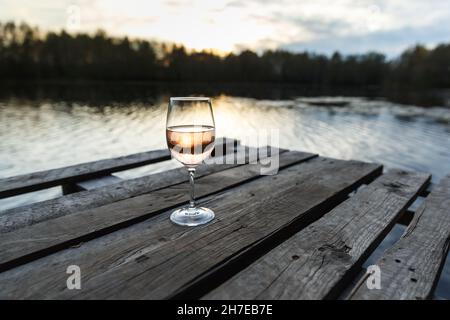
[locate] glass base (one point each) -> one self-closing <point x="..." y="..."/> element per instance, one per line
<point x="192" y="216"/>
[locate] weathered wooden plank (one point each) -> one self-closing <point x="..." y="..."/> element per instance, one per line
<point x="45" y="179"/>
<point x="51" y="235"/>
<point x="49" y="178"/>
<point x="410" y="269"/>
<point x="19" y="217"/>
<point x="157" y="259"/>
<point x="314" y="263"/>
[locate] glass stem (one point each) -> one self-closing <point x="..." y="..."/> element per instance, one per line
<point x="191" y="181"/>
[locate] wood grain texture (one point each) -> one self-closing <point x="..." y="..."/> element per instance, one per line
<point x="45" y="179"/>
<point x="410" y="269"/>
<point x="49" y="178"/>
<point x="30" y="242"/>
<point x="157" y="259"/>
<point x="27" y="215"/>
<point x="314" y="263"/>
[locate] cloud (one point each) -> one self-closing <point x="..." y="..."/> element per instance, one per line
<point x="319" y="25"/>
<point x="48" y="14"/>
<point x="390" y="42"/>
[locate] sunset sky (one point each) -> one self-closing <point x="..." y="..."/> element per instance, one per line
<point x="387" y="26"/>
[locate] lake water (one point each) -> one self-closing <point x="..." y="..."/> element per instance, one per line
<point x="44" y="131"/>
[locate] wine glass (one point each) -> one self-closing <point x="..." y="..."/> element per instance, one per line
<point x="190" y="134"/>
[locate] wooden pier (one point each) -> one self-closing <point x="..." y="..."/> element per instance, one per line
<point x="303" y="233"/>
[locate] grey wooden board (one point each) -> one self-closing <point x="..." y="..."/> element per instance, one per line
<point x="410" y="269"/>
<point x="61" y="232"/>
<point x="45" y="179"/>
<point x="19" y="217"/>
<point x="157" y="259"/>
<point x="314" y="263"/>
<point x="12" y="186"/>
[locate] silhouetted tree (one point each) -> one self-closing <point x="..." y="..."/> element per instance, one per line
<point x="26" y="53"/>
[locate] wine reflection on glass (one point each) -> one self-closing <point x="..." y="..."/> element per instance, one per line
<point x="190" y="134"/>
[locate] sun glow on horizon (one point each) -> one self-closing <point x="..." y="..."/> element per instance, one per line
<point x="224" y="26"/>
<point x="206" y="25"/>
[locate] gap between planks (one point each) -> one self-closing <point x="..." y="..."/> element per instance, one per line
<point x="156" y="259"/>
<point x="318" y="261"/>
<point x="35" y="241"/>
<point x="19" y="217"/>
<point x="12" y="186"/>
<point x="410" y="269"/>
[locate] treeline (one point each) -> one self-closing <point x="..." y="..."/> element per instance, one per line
<point x="27" y="53"/>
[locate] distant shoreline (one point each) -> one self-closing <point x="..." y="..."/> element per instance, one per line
<point x="127" y="90"/>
